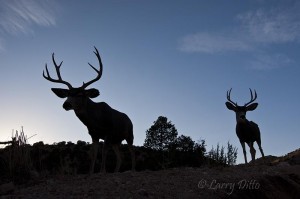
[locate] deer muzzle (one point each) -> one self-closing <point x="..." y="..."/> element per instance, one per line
<point x="67" y="106"/>
<point x="243" y="117"/>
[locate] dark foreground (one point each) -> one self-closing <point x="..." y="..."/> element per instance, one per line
<point x="273" y="178"/>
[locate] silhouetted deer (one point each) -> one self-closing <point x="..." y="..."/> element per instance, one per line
<point x="102" y="121"/>
<point x="247" y="131"/>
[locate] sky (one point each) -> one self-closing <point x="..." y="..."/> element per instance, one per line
<point x="161" y="58"/>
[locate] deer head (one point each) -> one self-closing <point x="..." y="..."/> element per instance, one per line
<point x="241" y="110"/>
<point x="76" y="97"/>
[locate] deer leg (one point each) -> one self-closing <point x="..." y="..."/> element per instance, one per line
<point x="132" y="157"/>
<point x="117" y="152"/>
<point x="94" y="151"/>
<point x="260" y="148"/>
<point x="252" y="151"/>
<point x="104" y="154"/>
<point x="244" y="151"/>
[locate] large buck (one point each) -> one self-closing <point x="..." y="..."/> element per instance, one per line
<point x="102" y="121"/>
<point x="247" y="131"/>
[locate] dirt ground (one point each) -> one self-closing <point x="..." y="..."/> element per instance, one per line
<point x="269" y="178"/>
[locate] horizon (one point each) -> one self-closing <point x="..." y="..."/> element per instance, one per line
<point x="173" y="58"/>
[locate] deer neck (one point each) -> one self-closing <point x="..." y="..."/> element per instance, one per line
<point x="242" y="123"/>
<point x="86" y="113"/>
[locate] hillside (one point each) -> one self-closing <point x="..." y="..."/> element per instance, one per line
<point x="274" y="177"/>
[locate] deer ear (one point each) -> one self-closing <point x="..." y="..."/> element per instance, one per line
<point x="60" y="92"/>
<point x="252" y="107"/>
<point x="230" y="106"/>
<point x="92" y="93"/>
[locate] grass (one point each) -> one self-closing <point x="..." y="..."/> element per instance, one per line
<point x="18" y="160"/>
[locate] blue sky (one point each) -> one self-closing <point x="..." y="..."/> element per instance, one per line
<point x="170" y="58"/>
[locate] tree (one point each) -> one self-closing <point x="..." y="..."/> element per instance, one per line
<point x="161" y="135"/>
<point x="219" y="157"/>
<point x="200" y="147"/>
<point x="231" y="154"/>
<point x="200" y="150"/>
<point x="185" y="143"/>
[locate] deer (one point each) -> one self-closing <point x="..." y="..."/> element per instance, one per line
<point x="102" y="121"/>
<point x="247" y="131"/>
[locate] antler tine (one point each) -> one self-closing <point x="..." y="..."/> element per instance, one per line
<point x="57" y="68"/>
<point x="252" y="98"/>
<point x="228" y="97"/>
<point x="99" y="72"/>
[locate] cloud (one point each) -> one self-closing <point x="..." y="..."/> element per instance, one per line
<point x="274" y="26"/>
<point x="263" y="62"/>
<point x="20" y="16"/>
<point x="1" y="45"/>
<point x="255" y="30"/>
<point x="211" y="43"/>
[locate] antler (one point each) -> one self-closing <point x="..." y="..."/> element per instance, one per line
<point x="99" y="72"/>
<point x="252" y="99"/>
<point x="57" y="68"/>
<point x="228" y="97"/>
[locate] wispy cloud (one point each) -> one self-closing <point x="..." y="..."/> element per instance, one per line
<point x="256" y="31"/>
<point x="1" y="45"/>
<point x="259" y="27"/>
<point x="211" y="43"/>
<point x="263" y="62"/>
<point x="274" y="26"/>
<point x="20" y="16"/>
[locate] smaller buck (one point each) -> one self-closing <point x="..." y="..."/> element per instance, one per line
<point x="247" y="131"/>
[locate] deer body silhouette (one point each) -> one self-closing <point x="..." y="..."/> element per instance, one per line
<point x="247" y="131"/>
<point x="102" y="121"/>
